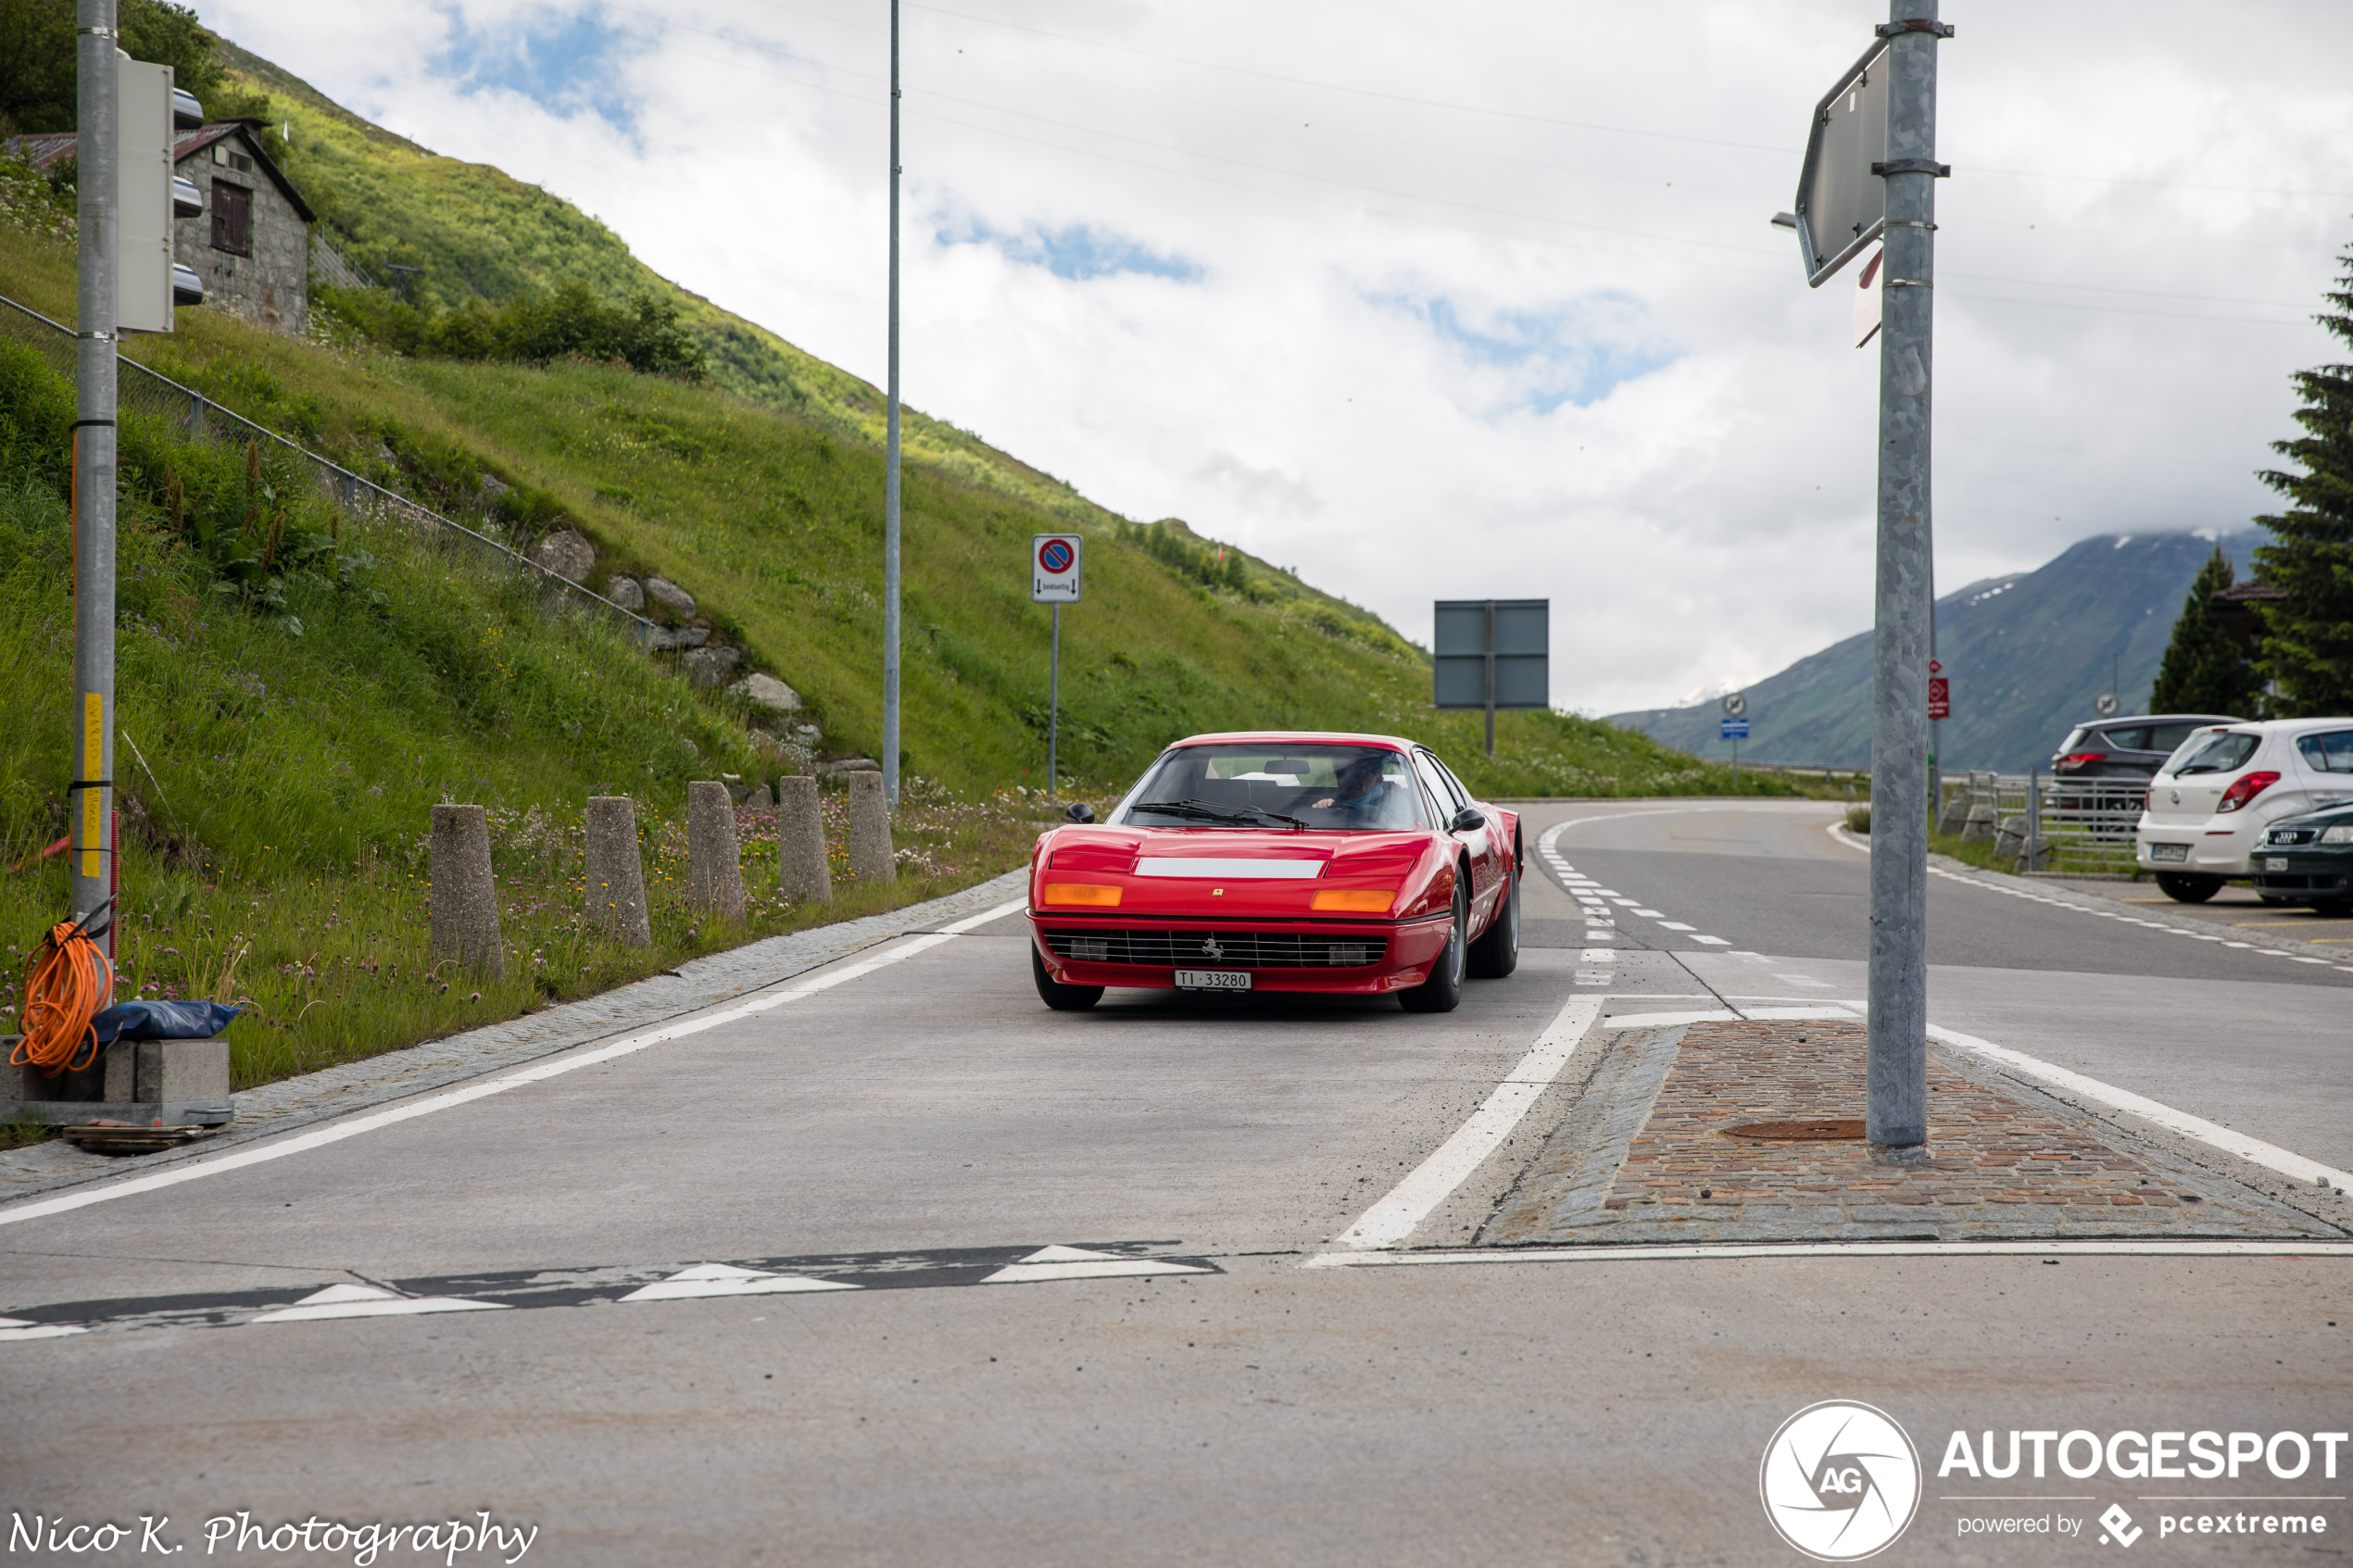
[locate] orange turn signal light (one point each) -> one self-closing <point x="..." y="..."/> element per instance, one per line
<point x="1082" y="893"/>
<point x="1360" y="900"/>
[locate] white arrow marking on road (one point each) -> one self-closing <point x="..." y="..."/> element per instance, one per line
<point x="25" y="1328"/>
<point x="1076" y="1262"/>
<point x="726" y="1279"/>
<point x="369" y="1302"/>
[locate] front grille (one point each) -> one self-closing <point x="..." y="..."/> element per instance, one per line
<point x="2294" y="883"/>
<point x="1218" y="950"/>
<point x="2282" y="837"/>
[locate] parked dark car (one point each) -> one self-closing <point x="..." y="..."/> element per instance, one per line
<point x="2126" y="748"/>
<point x="2307" y="859"/>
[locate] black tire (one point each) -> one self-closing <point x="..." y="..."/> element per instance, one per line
<point x="1442" y="992"/>
<point x="2333" y="909"/>
<point x="2188" y="888"/>
<point x="1496" y="953"/>
<point x="1054" y="994"/>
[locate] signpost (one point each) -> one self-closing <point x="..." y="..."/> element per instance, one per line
<point x="1491" y="654"/>
<point x="1870" y="173"/>
<point x="1056" y="569"/>
<point x="1734" y="728"/>
<point x="1940" y="693"/>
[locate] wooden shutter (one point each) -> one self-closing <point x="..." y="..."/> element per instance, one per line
<point x="231" y="218"/>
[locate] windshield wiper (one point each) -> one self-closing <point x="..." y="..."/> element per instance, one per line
<point x="1213" y="813"/>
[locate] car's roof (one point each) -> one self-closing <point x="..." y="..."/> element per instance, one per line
<point x="1294" y="737"/>
<point x="2288" y="726"/>
<point x="2159" y="719"/>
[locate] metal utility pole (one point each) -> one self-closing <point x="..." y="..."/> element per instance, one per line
<point x="94" y="459"/>
<point x="1054" y="704"/>
<point x="890" y="466"/>
<point x="1896" y="1115"/>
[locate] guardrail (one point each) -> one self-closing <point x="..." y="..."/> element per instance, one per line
<point x="195" y="417"/>
<point x="2048" y="824"/>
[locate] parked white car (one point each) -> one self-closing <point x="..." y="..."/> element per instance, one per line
<point x="2207" y="807"/>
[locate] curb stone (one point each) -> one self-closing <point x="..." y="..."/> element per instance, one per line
<point x="397" y="1075"/>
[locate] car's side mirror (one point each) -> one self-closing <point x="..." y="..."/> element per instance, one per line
<point x="1080" y="811"/>
<point x="1470" y="818"/>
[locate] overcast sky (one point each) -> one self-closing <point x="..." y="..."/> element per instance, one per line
<point x="1454" y="301"/>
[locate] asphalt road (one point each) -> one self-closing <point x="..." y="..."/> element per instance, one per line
<point x="920" y="1129"/>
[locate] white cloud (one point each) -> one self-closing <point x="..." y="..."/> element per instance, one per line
<point x="1426" y="338"/>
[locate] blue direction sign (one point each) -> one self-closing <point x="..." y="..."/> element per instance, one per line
<point x="1735" y="729"/>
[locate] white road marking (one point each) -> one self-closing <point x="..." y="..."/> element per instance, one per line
<point x="1408" y="1204"/>
<point x="1076" y="1263"/>
<point x="2306" y="1172"/>
<point x="1599" y="955"/>
<point x="1715" y="941"/>
<point x="1672" y="925"/>
<point x="537" y="1073"/>
<point x="727" y="1279"/>
<point x="372" y="1302"/>
<point x="1742" y="1251"/>
<point x="22" y="1328"/>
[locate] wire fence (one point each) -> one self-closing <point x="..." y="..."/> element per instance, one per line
<point x="194" y="417"/>
<point x="2048" y="824"/>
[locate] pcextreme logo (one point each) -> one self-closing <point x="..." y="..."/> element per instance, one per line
<point x="1840" y="1481"/>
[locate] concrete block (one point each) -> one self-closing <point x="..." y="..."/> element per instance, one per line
<point x="614" y="893"/>
<point x="802" y="870"/>
<point x="870" y="851"/>
<point x="714" y="863"/>
<point x="465" y="899"/>
<point x="1955" y="816"/>
<point x="156" y="1071"/>
<point x="1978" y="827"/>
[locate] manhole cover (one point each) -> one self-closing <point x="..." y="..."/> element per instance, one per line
<point x="1820" y="1129"/>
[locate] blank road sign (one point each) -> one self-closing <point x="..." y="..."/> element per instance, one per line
<point x="1522" y="652"/>
<point x="1055" y="568"/>
<point x="1842" y="205"/>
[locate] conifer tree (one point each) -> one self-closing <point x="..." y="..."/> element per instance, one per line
<point x="2205" y="670"/>
<point x="2307" y="648"/>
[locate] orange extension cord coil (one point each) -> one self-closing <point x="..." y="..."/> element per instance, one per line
<point x="68" y="984"/>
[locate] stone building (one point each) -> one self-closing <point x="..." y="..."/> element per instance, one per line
<point x="251" y="244"/>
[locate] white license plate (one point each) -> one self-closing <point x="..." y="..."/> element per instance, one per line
<point x="2275" y="862"/>
<point x="2169" y="851"/>
<point x="1213" y="980"/>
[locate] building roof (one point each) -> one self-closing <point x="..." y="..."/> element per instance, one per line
<point x="50" y="149"/>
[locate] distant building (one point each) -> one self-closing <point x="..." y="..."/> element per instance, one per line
<point x="251" y="245"/>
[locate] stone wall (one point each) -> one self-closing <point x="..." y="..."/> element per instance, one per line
<point x="271" y="287"/>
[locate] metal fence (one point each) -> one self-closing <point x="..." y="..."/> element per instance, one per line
<point x="2045" y="824"/>
<point x="194" y="417"/>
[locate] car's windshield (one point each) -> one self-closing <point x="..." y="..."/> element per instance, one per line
<point x="1259" y="785"/>
<point x="2222" y="753"/>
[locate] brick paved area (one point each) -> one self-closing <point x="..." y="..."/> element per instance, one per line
<point x="1642" y="1155"/>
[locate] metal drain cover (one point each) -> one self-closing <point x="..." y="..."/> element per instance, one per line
<point x="1820" y="1129"/>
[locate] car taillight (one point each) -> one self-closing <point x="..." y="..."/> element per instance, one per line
<point x="2246" y="789"/>
<point x="2076" y="760"/>
<point x="2148" y="798"/>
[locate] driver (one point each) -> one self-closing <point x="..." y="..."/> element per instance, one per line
<point x="1360" y="792"/>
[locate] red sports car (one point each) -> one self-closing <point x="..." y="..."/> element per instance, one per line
<point x="1281" y="861"/>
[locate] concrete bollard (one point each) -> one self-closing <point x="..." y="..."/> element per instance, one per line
<point x="614" y="896"/>
<point x="870" y="854"/>
<point x="803" y="869"/>
<point x="1979" y="827"/>
<point x="1955" y="815"/>
<point x="465" y="898"/>
<point x="714" y="864"/>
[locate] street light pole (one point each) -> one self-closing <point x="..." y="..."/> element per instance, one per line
<point x="1896" y="1119"/>
<point x="890" y="466"/>
<point x="94" y="459"/>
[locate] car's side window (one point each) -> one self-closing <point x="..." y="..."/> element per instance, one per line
<point x="1440" y="787"/>
<point x="2168" y="737"/>
<point x="2331" y="753"/>
<point x="1460" y="791"/>
<point x="2134" y="737"/>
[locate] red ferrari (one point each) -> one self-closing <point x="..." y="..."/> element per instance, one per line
<point x="1281" y="861"/>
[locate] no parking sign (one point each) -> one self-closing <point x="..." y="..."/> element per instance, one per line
<point x="1055" y="568"/>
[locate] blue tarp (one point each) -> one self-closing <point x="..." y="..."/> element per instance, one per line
<point x="162" y="1021"/>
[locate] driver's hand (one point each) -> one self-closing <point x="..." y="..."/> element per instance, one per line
<point x="1323" y="805"/>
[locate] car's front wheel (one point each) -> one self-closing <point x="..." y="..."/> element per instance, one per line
<point x="1054" y="994"/>
<point x="1442" y="992"/>
<point x="1496" y="953"/>
<point x="2188" y="888"/>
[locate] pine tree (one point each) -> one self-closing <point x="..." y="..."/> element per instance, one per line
<point x="2307" y="648"/>
<point x="2205" y="671"/>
